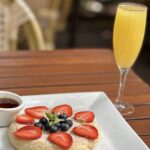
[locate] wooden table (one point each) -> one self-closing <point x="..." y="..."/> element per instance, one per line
<point x="29" y="73"/>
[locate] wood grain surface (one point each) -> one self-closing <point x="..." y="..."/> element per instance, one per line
<point x="78" y="70"/>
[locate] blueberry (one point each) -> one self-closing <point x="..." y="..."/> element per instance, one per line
<point x="62" y="116"/>
<point x="64" y="127"/>
<point x="53" y="128"/>
<point x="43" y="120"/>
<point x="58" y="124"/>
<point x="46" y="126"/>
<point x="62" y="121"/>
<point x="39" y="124"/>
<point x="69" y="122"/>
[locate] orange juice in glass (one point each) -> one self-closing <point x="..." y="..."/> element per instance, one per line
<point x="128" y="35"/>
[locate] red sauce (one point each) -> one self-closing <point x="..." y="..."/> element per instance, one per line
<point x="8" y="103"/>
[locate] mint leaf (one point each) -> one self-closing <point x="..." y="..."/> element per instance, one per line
<point x="50" y="116"/>
<point x="52" y="123"/>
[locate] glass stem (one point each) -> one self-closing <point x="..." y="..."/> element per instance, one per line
<point x="123" y="76"/>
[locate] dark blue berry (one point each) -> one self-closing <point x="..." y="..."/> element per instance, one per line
<point x="69" y="122"/>
<point x="43" y="120"/>
<point x="62" y="121"/>
<point x="39" y="124"/>
<point x="53" y="128"/>
<point x="58" y="124"/>
<point x="64" y="127"/>
<point x="46" y="126"/>
<point x="62" y="116"/>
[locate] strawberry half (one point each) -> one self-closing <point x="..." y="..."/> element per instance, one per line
<point x="28" y="133"/>
<point x="36" y="112"/>
<point x="24" y="119"/>
<point x="87" y="131"/>
<point x="62" y="139"/>
<point x="67" y="109"/>
<point x="85" y="116"/>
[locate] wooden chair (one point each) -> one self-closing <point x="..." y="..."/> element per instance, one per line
<point x="53" y="16"/>
<point x="13" y="15"/>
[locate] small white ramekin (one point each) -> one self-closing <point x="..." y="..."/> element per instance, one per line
<point x="9" y="114"/>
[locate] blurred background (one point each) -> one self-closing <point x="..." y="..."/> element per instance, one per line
<point x="60" y="24"/>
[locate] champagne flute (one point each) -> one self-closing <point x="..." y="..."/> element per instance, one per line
<point x="128" y="35"/>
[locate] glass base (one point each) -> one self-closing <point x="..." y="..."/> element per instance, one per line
<point x="124" y="108"/>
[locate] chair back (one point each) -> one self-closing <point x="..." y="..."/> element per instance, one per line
<point x="52" y="15"/>
<point x="14" y="15"/>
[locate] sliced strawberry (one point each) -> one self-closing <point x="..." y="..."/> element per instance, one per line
<point x="67" y="109"/>
<point x="36" y="112"/>
<point x="62" y="139"/>
<point x="24" y="119"/>
<point x="28" y="133"/>
<point x="87" y="131"/>
<point x="85" y="116"/>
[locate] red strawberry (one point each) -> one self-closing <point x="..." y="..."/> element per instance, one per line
<point x="62" y="139"/>
<point x="28" y="133"/>
<point x="24" y="119"/>
<point x="87" y="131"/>
<point x="85" y="116"/>
<point x="67" y="109"/>
<point x="36" y="112"/>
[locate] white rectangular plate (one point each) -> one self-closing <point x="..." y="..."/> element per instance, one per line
<point x="115" y="133"/>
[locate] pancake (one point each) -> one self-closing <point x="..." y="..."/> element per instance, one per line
<point x="79" y="143"/>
